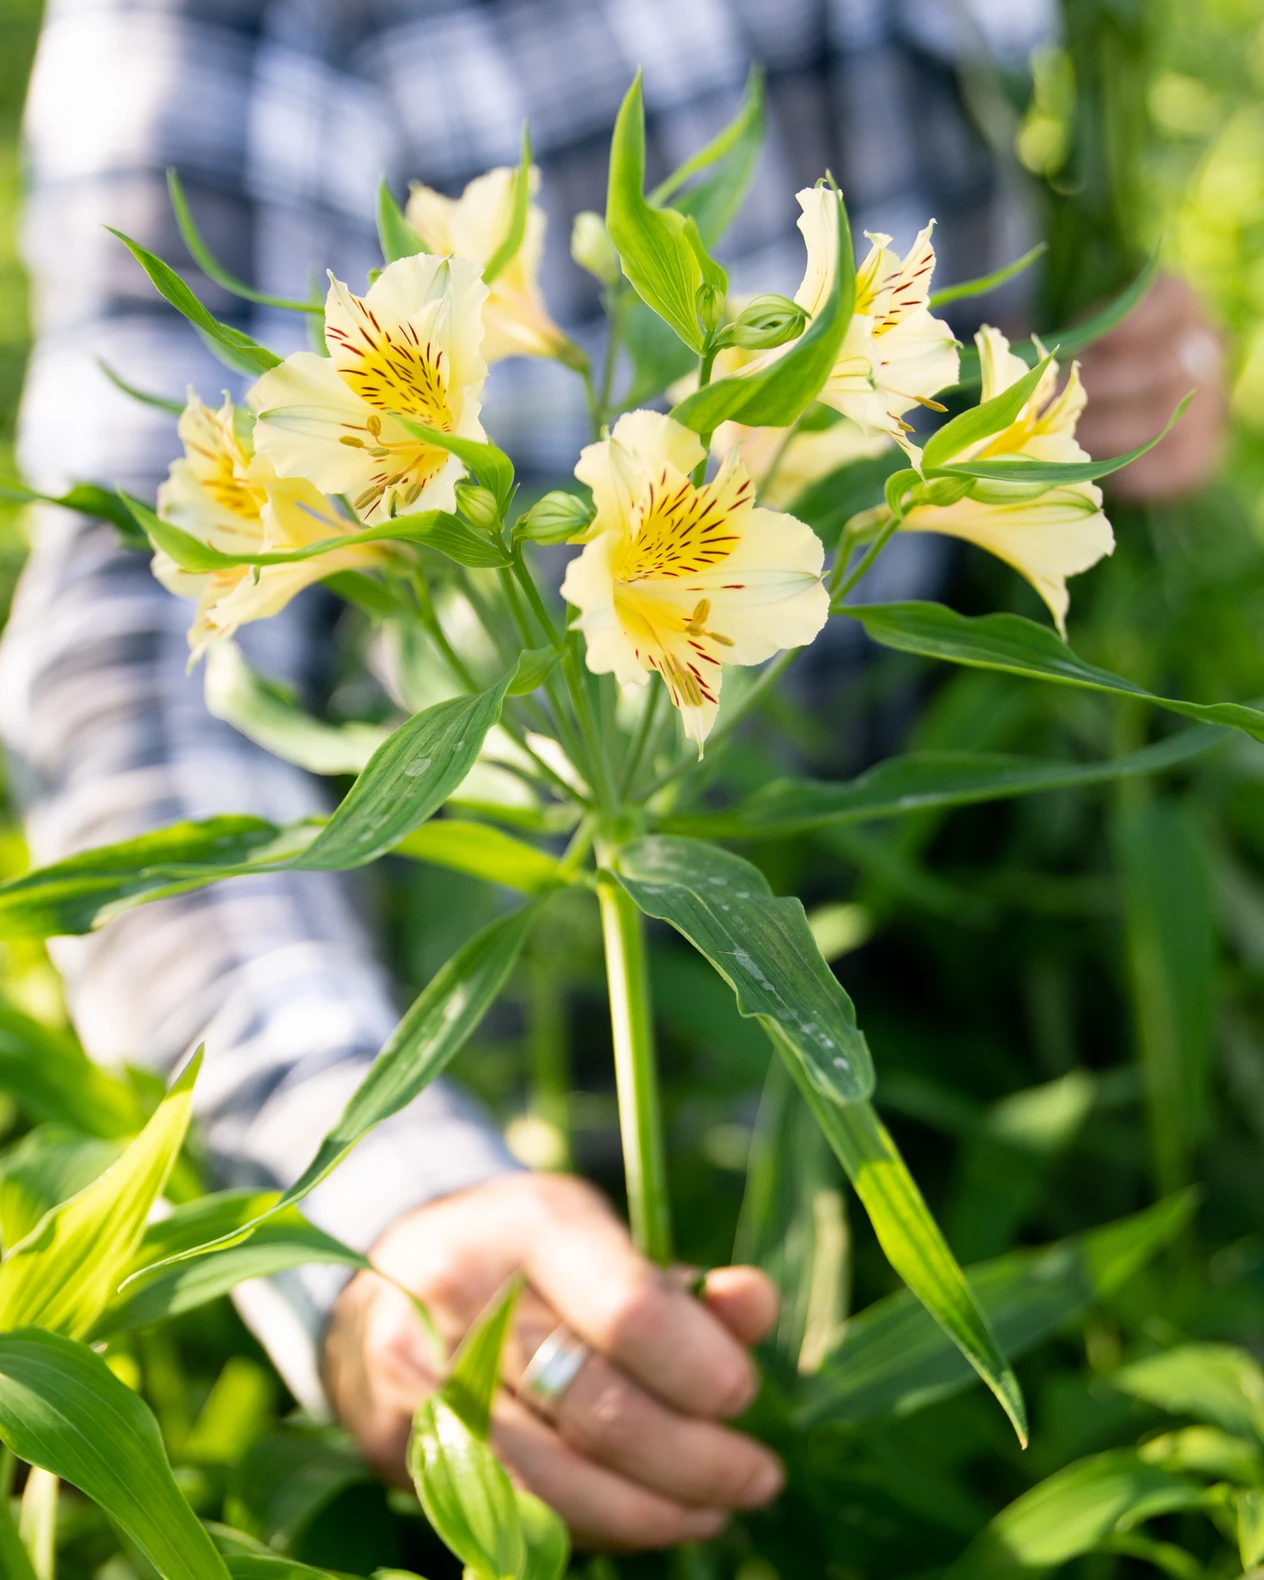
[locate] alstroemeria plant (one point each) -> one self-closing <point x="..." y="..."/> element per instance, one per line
<point x="723" y="529"/>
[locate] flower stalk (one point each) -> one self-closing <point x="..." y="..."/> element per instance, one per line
<point x="635" y="1066"/>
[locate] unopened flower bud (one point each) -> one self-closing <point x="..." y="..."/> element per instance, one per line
<point x="478" y="506"/>
<point x="998" y="491"/>
<point x="592" y="248"/>
<point x="941" y="491"/>
<point x="555" y="518"/>
<point x="767" y="321"/>
<point x="710" y="304"/>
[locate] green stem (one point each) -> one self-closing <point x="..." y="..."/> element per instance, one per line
<point x="430" y="621"/>
<point x="778" y="458"/>
<point x="599" y="770"/>
<point x="635" y="1068"/>
<point x="614" y="312"/>
<point x="839" y="585"/>
<point x="643" y="732"/>
<point x="527" y="582"/>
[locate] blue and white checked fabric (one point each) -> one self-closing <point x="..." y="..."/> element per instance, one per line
<point x="280" y="115"/>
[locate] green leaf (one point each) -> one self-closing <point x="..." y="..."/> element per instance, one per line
<point x="924" y="781"/>
<point x="1249" y="1506"/>
<point x="492" y="467"/>
<point x="535" y="664"/>
<point x="437" y="529"/>
<point x="982" y="421"/>
<point x="763" y="948"/>
<point x="77" y="894"/>
<point x="793" y="1225"/>
<point x="1021" y="647"/>
<point x="483" y="852"/>
<point x="49" y="1165"/>
<point x="432" y="1032"/>
<point x="62" y="1408"/>
<point x="62" y="1275"/>
<point x="397" y="237"/>
<point x="281" y="1241"/>
<point x="909" y="1236"/>
<point x="51" y="1079"/>
<point x="274" y="1566"/>
<point x="657" y="353"/>
<point x="660" y="249"/>
<point x="892" y="1358"/>
<point x="1056" y="473"/>
<point x="239" y="351"/>
<point x="15" y="1561"/>
<point x="474" y="1375"/>
<point x="547" y="1540"/>
<point x="160" y="402"/>
<point x="781" y="392"/>
<point x="210" y="265"/>
<point x="1211" y="1382"/>
<point x="1076" y="1511"/>
<point x="1170" y="931"/>
<point x="984" y="283"/>
<point x="507" y="249"/>
<point x="714" y="203"/>
<point x="1076" y="337"/>
<point x="287" y="1479"/>
<point x="406" y="781"/>
<point x="270" y="715"/>
<point x="85" y="498"/>
<point x="465" y="1493"/>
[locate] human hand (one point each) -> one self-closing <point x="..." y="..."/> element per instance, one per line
<point x="1134" y="378"/>
<point x="633" y="1454"/>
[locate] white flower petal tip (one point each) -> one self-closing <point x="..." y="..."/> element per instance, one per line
<point x="1047" y="536"/>
<point x="410" y="348"/>
<point x="472" y="227"/>
<point x="681" y="580"/>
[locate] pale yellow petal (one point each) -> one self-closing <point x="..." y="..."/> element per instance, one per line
<point x="999" y="366"/>
<point x="304" y="410"/>
<point x="1060" y="534"/>
<point x="819" y="225"/>
<point x="589" y="586"/>
<point x="618" y="468"/>
<point x="430" y="215"/>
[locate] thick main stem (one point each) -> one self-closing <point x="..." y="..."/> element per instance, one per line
<point x="636" y="1070"/>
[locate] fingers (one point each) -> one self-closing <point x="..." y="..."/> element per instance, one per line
<point x="612" y="1420"/>
<point x="635" y="1315"/>
<point x="744" y="1299"/>
<point x="602" y="1508"/>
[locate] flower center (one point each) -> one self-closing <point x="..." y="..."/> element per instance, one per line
<point x="682" y="530"/>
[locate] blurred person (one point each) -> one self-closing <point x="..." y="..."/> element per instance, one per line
<point x="280" y="115"/>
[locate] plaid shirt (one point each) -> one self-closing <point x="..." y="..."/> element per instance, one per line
<point x="280" y="115"/>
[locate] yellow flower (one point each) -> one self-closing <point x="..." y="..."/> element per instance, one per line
<point x="410" y="346"/>
<point x="895" y="354"/>
<point x="515" y="319"/>
<point x="233" y="500"/>
<point x="683" y="580"/>
<point x="1046" y="536"/>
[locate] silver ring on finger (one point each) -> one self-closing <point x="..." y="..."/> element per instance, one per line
<point x="554" y="1367"/>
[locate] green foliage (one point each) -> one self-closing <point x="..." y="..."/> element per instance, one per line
<point x="395" y="235"/>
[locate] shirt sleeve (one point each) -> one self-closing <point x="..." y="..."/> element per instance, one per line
<point x="106" y="730"/>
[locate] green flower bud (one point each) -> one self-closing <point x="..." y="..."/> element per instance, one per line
<point x="592" y="248"/>
<point x="478" y="506"/>
<point x="555" y="518"/>
<point x="767" y="321"/>
<point x="710" y="304"/>
<point x="940" y="491"/>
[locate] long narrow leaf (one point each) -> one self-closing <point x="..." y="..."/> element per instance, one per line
<point x="1021" y="647"/>
<point x="924" y="781"/>
<point x="507" y="249"/>
<point x="731" y="156"/>
<point x="891" y="1358"/>
<point x="235" y="348"/>
<point x="987" y="282"/>
<point x="87" y="499"/>
<point x="397" y="237"/>
<point x="431" y="1033"/>
<point x="62" y="1408"/>
<point x="64" y="1272"/>
<point x="210" y="265"/>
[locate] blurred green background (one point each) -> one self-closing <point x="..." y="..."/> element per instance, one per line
<point x="1006" y="961"/>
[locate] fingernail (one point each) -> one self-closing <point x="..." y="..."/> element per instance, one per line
<point x="700" y="1525"/>
<point x="764" y="1485"/>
